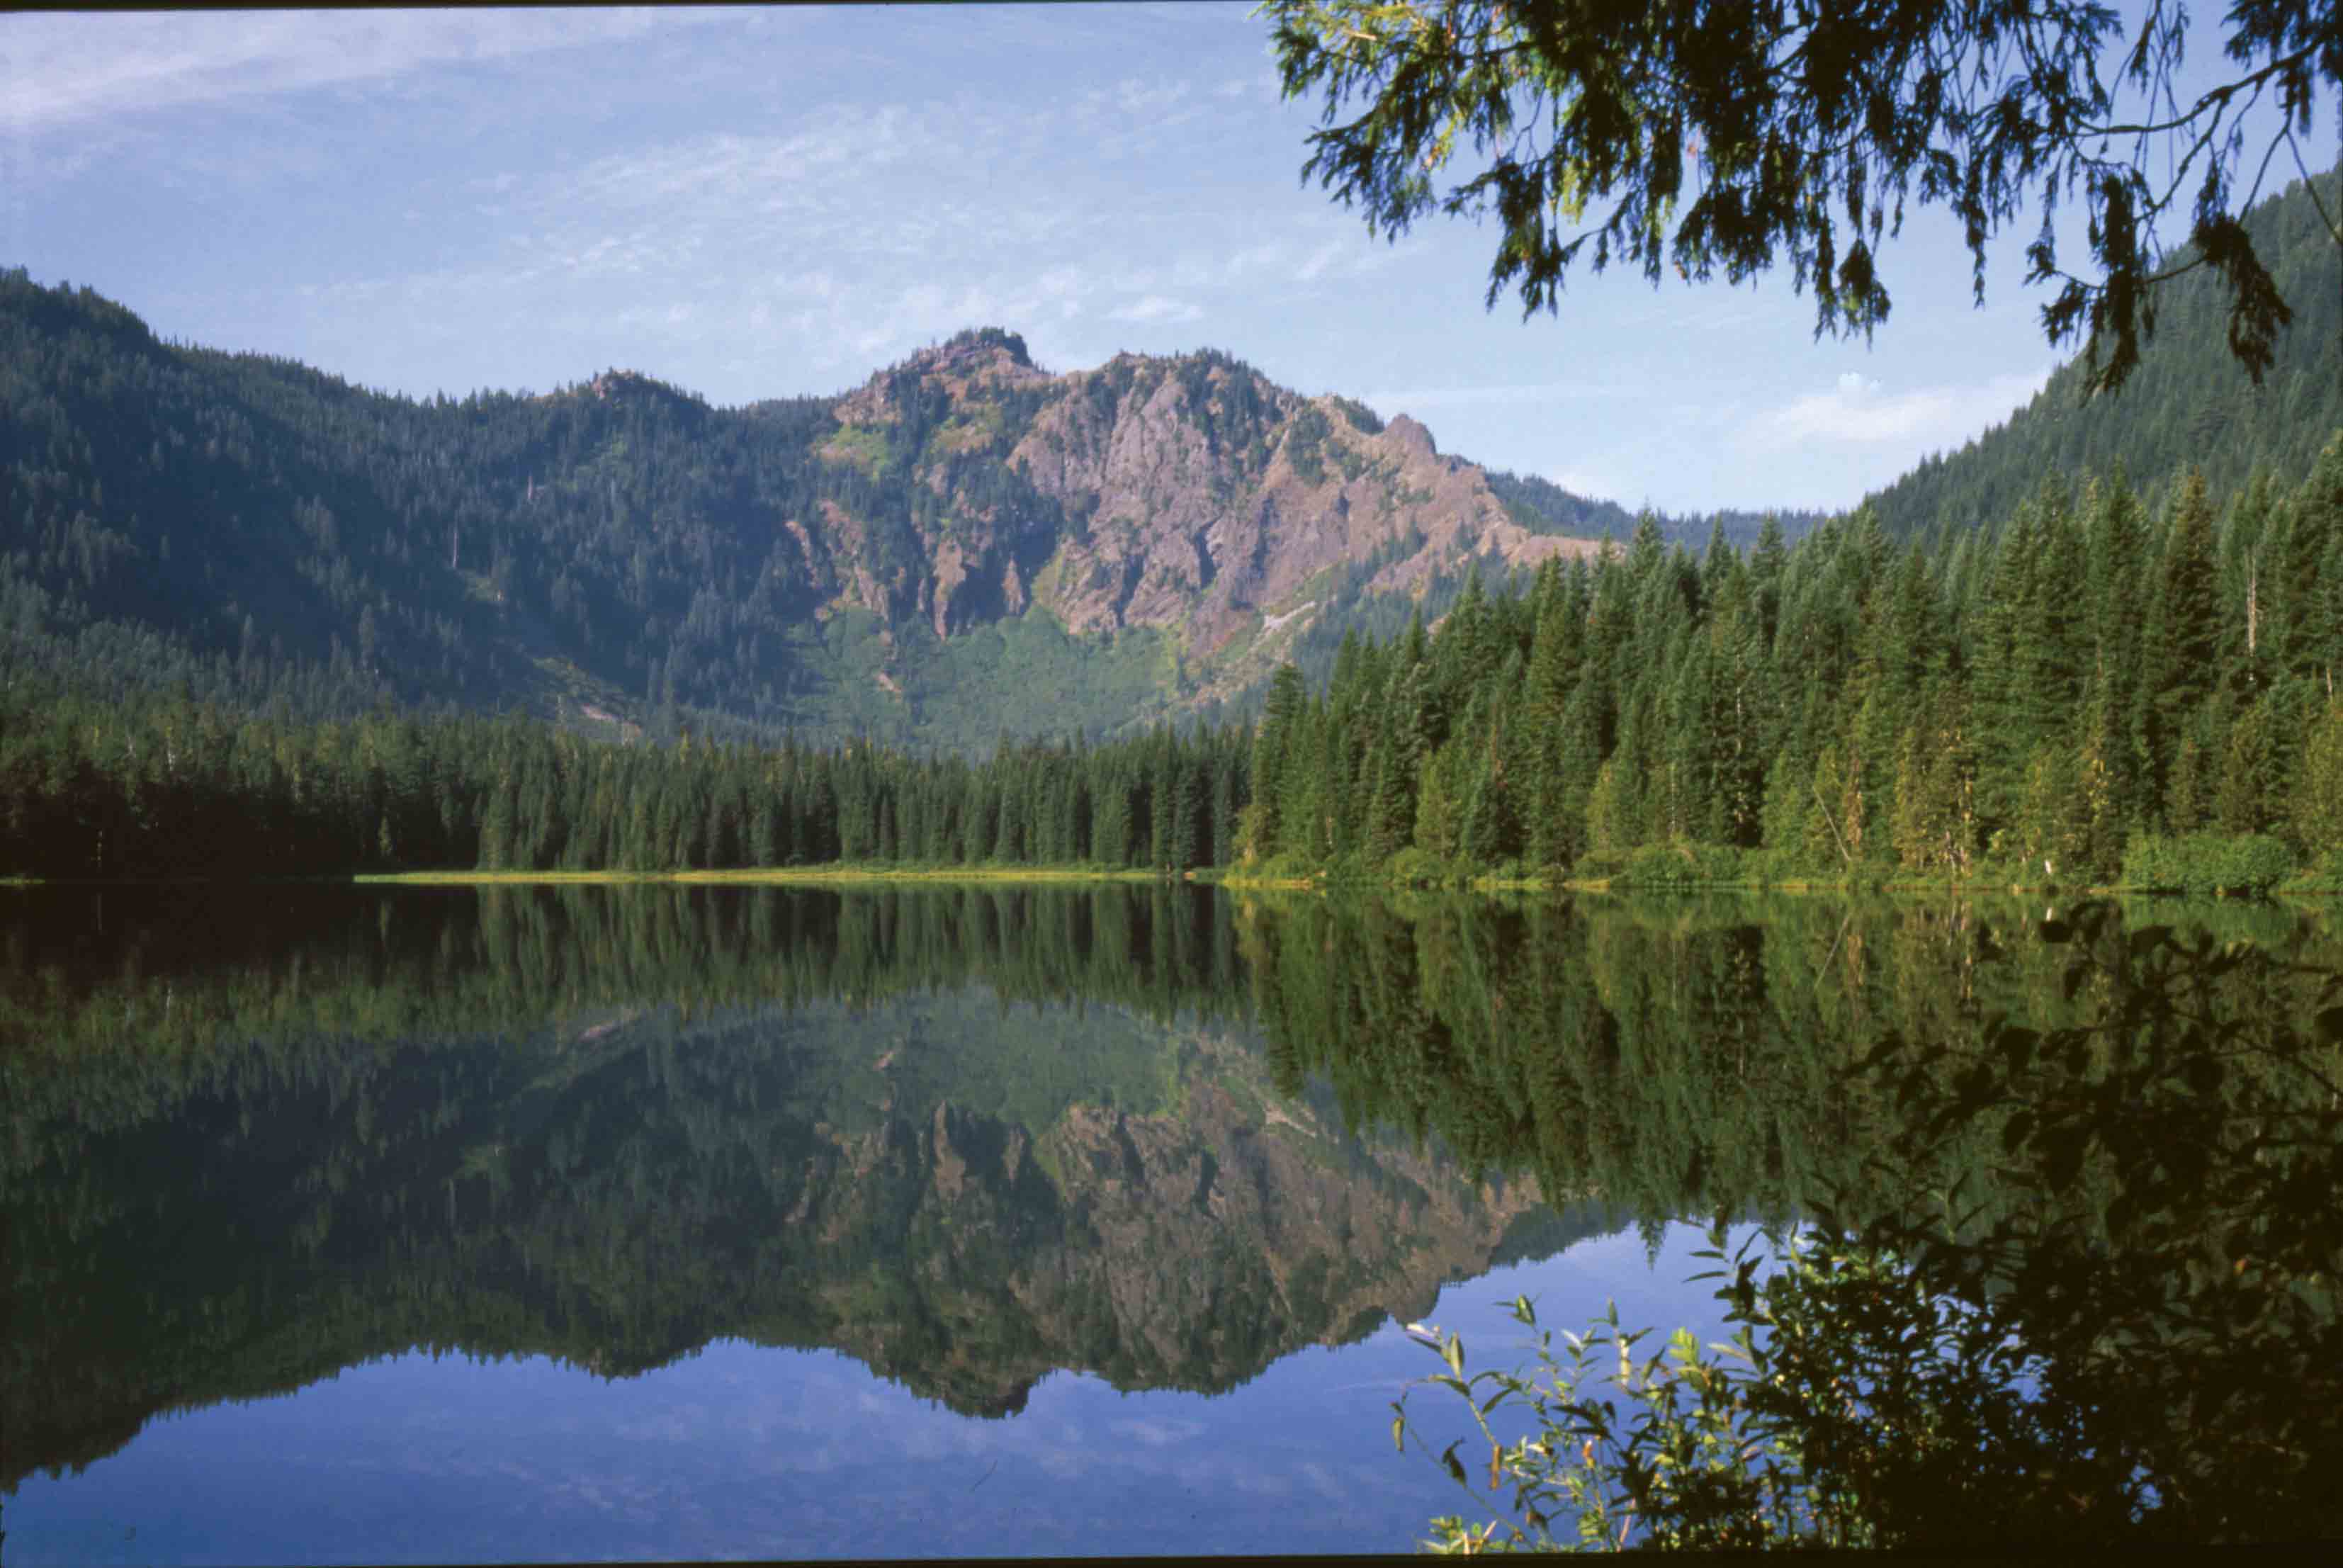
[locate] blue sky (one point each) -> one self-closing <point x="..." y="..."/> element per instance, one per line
<point x="752" y="203"/>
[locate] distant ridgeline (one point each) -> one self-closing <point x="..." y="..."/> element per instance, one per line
<point x="966" y="546"/>
<point x="2087" y="691"/>
<point x="1559" y="508"/>
<point x="2188" y="403"/>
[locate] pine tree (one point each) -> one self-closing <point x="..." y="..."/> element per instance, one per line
<point x="1440" y="801"/>
<point x="1766" y="565"/>
<point x="1271" y="747"/>
<point x="2316" y="802"/>
<point x="2241" y="797"/>
<point x="2186" y="638"/>
<point x="2309" y="594"/>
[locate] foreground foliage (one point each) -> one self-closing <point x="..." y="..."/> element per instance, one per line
<point x="1724" y="141"/>
<point x="2137" y="1338"/>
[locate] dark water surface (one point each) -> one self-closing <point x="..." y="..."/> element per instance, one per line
<point x="421" y="1224"/>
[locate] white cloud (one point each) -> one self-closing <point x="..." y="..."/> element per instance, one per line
<point x="1857" y="411"/>
<point x="1590" y="483"/>
<point x="1137" y="99"/>
<point x="1155" y="307"/>
<point x="1319" y="260"/>
<point x="58" y="70"/>
<point x="1321" y="246"/>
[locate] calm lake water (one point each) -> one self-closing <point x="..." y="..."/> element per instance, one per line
<point x="423" y="1224"/>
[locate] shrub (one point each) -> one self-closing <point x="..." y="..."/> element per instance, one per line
<point x="2325" y="874"/>
<point x="1682" y="866"/>
<point x="1598" y="865"/>
<point x="1744" y="1449"/>
<point x="2206" y="863"/>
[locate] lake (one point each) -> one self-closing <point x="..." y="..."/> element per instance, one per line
<point x="420" y="1224"/>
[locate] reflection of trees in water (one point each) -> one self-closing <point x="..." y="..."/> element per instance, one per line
<point x="2097" y="1149"/>
<point x="2169" y="1248"/>
<point x="608" y="1125"/>
<point x="249" y="1144"/>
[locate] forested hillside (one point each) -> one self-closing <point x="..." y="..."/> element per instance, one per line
<point x="2189" y="404"/>
<point x="965" y="546"/>
<point x="2074" y="693"/>
<point x="2081" y="693"/>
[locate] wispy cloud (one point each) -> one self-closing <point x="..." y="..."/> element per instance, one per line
<point x="1591" y="483"/>
<point x="1858" y="411"/>
<point x="1262" y="86"/>
<point x="58" y="71"/>
<point x="1132" y="116"/>
<point x="1155" y="307"/>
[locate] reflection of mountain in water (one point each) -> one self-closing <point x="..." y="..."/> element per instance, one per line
<point x="962" y="1190"/>
<point x="970" y="1136"/>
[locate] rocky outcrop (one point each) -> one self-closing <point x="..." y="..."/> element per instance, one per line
<point x="1188" y="494"/>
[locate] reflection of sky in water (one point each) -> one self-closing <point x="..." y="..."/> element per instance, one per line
<point x="747" y="1452"/>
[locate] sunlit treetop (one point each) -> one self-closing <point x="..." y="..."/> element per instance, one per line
<point x="1722" y="137"/>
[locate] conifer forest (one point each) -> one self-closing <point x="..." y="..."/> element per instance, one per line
<point x="2105" y="686"/>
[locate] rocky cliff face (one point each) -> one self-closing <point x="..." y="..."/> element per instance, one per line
<point x="1190" y="495"/>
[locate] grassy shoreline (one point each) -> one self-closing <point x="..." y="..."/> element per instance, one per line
<point x="763" y="876"/>
<point x="2306" y="886"/>
<point x="1898" y="886"/>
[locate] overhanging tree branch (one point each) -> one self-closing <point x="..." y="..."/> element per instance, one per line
<point x="1804" y="131"/>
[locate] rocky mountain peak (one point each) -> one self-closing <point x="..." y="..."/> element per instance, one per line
<point x="1408" y="433"/>
<point x="1189" y="494"/>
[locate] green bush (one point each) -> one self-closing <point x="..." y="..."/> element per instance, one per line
<point x="1416" y="866"/>
<point x="1598" y="865"/>
<point x="1286" y="865"/>
<point x="2206" y="863"/>
<point x="1682" y="866"/>
<point x="1744" y="1449"/>
<point x="2325" y="875"/>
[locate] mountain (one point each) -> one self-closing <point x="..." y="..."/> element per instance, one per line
<point x="964" y="545"/>
<point x="1550" y="506"/>
<point x="2188" y="403"/>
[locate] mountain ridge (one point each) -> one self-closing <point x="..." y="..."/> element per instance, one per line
<point x="848" y="565"/>
<point x="964" y="546"/>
